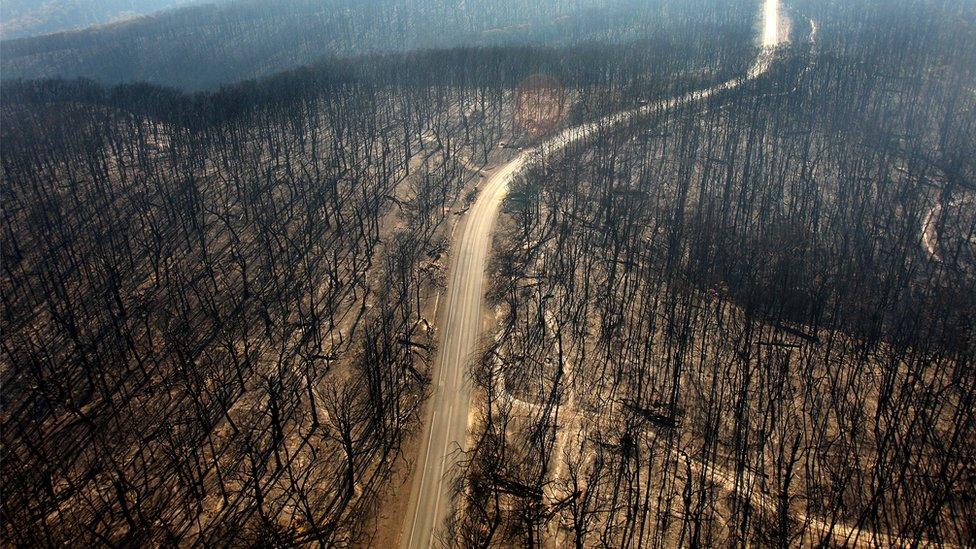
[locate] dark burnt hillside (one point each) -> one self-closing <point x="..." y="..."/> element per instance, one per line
<point x="204" y="46"/>
<point x="217" y="307"/>
<point x="752" y="322"/>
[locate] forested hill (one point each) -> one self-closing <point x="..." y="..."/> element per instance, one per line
<point x="253" y="273"/>
<point x="501" y="67"/>
<point x="199" y="47"/>
<point x="21" y="18"/>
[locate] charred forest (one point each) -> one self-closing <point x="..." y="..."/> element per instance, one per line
<point x="747" y="323"/>
<point x="729" y="290"/>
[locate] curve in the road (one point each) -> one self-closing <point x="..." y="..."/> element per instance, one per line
<point x="462" y="314"/>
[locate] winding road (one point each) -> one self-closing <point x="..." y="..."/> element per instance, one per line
<point x="463" y="315"/>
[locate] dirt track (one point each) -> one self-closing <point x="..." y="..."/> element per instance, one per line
<point x="462" y="317"/>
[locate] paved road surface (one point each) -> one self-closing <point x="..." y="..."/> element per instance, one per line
<point x="464" y="314"/>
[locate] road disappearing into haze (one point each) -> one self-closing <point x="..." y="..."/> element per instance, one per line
<point x="462" y="317"/>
